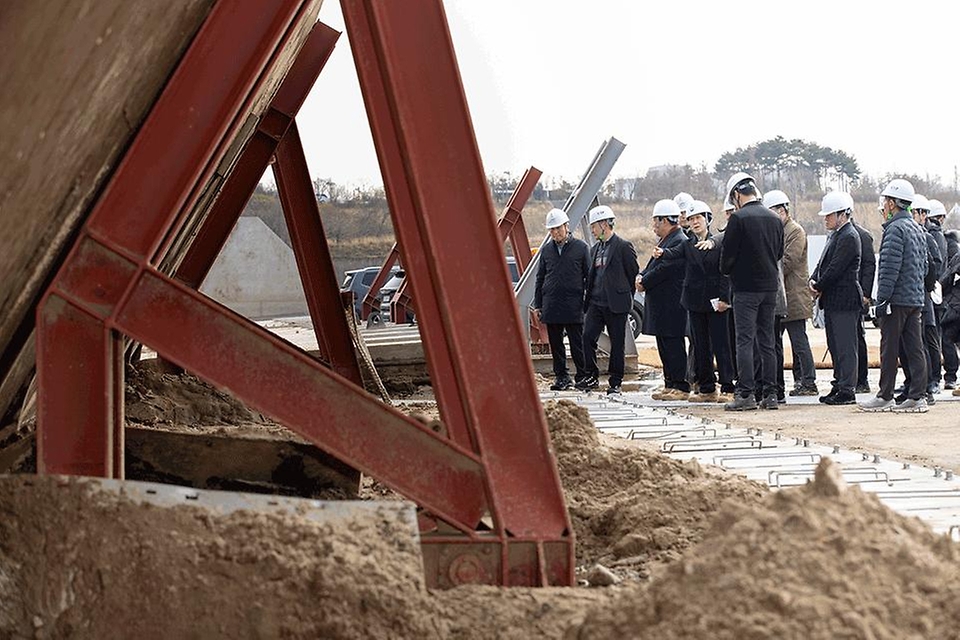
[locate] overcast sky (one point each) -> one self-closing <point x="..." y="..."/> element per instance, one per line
<point x="678" y="81"/>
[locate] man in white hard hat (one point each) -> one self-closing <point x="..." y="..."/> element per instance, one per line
<point x="836" y="285"/>
<point x="751" y="250"/>
<point x="868" y="273"/>
<point x="706" y="297"/>
<point x="919" y="208"/>
<point x="900" y="298"/>
<point x="933" y="336"/>
<point x="558" y="297"/>
<point x="611" y="283"/>
<point x="685" y="201"/>
<point x="949" y="337"/>
<point x="799" y="305"/>
<point x="663" y="316"/>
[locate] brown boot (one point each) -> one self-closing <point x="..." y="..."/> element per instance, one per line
<point x="712" y="396"/>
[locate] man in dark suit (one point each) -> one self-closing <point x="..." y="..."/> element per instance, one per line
<point x="663" y="316"/>
<point x="868" y="269"/>
<point x="836" y="284"/>
<point x="558" y="297"/>
<point x="611" y="283"/>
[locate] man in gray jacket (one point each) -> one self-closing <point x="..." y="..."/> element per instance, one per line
<point x="900" y="298"/>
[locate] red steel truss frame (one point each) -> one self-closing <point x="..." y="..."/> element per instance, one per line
<point x="493" y="508"/>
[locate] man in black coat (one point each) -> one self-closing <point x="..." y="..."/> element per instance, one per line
<point x="706" y="297"/>
<point x="836" y="284"/>
<point x="558" y="297"/>
<point x="750" y="254"/>
<point x="663" y="316"/>
<point x="868" y="270"/>
<point x="611" y="283"/>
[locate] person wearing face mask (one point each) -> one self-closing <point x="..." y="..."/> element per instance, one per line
<point x="664" y="317"/>
<point x="900" y="299"/>
<point x="836" y="285"/>
<point x="706" y="297"/>
<point x="611" y="282"/>
<point x="558" y="297"/>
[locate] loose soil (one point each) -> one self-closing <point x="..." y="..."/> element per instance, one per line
<point x="694" y="552"/>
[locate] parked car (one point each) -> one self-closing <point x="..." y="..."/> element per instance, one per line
<point x="635" y="317"/>
<point x="389" y="289"/>
<point x="358" y="281"/>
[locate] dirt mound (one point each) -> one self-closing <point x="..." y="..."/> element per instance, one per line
<point x="820" y="561"/>
<point x="633" y="508"/>
<point x="86" y="564"/>
<point x="157" y="396"/>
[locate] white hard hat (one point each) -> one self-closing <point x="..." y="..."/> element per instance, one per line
<point x="602" y="212"/>
<point x="775" y="198"/>
<point x="736" y="179"/>
<point x="899" y="189"/>
<point x="666" y="209"/>
<point x="835" y="202"/>
<point x="920" y="203"/>
<point x="685" y="201"/>
<point x="700" y="208"/>
<point x="727" y="205"/>
<point x="937" y="210"/>
<point x="556" y="218"/>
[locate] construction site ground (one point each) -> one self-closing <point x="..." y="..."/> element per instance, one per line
<point x="666" y="548"/>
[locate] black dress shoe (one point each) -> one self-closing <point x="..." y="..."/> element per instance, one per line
<point x="841" y="397"/>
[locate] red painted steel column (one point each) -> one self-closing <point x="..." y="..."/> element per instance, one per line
<point x="370" y="300"/>
<point x="458" y="270"/>
<point x="317" y="273"/>
<point x="255" y="158"/>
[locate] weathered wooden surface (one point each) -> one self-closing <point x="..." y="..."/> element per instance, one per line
<point x="78" y="79"/>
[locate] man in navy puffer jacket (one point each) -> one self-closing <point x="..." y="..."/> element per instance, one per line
<point x="900" y="299"/>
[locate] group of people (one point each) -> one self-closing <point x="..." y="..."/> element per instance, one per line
<point x="732" y="293"/>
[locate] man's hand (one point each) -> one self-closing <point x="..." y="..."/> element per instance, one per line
<point x="657" y="252"/>
<point x="536" y="314"/>
<point x="706" y="245"/>
<point x="639" y="283"/>
<point x="722" y="306"/>
<point x="866" y="301"/>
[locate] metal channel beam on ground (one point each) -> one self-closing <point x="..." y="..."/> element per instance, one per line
<point x="933" y="495"/>
<point x="576" y="207"/>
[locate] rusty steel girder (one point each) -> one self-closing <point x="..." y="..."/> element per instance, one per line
<point x="492" y="507"/>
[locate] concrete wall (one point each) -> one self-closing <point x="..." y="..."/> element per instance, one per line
<point x="256" y="274"/>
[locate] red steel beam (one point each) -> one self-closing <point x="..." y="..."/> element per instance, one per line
<point x="370" y="301"/>
<point x="510" y="223"/>
<point x="443" y="203"/>
<point x="255" y="158"/>
<point x="281" y="381"/>
<point x="317" y="273"/>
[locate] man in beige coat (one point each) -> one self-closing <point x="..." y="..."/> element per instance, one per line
<point x="799" y="303"/>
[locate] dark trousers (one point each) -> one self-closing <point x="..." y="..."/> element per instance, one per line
<point x="804" y="371"/>
<point x="950" y="339"/>
<point x="711" y="340"/>
<point x="596" y="319"/>
<point x="559" y="352"/>
<point x="842" y="329"/>
<point x="778" y="353"/>
<point x="673" y="355"/>
<point x="931" y="345"/>
<point x="753" y="314"/>
<point x="862" y="365"/>
<point x="902" y="324"/>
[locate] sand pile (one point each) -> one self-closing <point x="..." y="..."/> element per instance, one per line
<point x="158" y="396"/>
<point x="630" y="508"/>
<point x="76" y="563"/>
<point x="820" y="561"/>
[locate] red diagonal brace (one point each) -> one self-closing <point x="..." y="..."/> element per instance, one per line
<point x="317" y="273"/>
<point x="371" y="303"/>
<point x="255" y="158"/>
<point x="510" y="223"/>
<point x="466" y="306"/>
